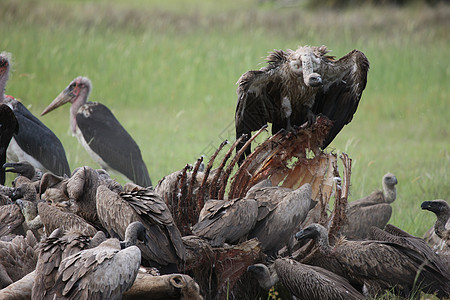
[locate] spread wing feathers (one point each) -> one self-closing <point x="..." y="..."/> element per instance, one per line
<point x="344" y="81"/>
<point x="103" y="272"/>
<point x="311" y="282"/>
<point x="18" y="257"/>
<point x="10" y="218"/>
<point x="116" y="214"/>
<point x="151" y="207"/>
<point x="107" y="137"/>
<point x="52" y="218"/>
<point x="51" y="252"/>
<point x="227" y="221"/>
<point x="39" y="141"/>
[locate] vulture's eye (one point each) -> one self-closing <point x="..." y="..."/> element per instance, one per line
<point x="295" y="65"/>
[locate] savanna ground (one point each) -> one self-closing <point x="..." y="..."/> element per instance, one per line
<point x="168" y="72"/>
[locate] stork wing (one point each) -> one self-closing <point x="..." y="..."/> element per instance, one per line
<point x="106" y="137"/>
<point x="344" y="81"/>
<point x="256" y="105"/>
<point x="39" y="141"/>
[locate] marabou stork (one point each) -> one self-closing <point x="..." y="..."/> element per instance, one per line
<point x="8" y="127"/>
<point x="34" y="142"/>
<point x="98" y="130"/>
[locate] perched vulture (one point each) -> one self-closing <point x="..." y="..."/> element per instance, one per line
<point x="280" y="212"/>
<point x="56" y="247"/>
<point x="305" y="281"/>
<point x="98" y="130"/>
<point x="394" y="262"/>
<point x="373" y="210"/>
<point x="23" y="169"/>
<point x="164" y="245"/>
<point x="17" y="258"/>
<point x="8" y="127"/>
<point x="298" y="85"/>
<point x="439" y="235"/>
<point x="103" y="272"/>
<point x="226" y="220"/>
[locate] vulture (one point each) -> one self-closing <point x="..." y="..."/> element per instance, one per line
<point x="305" y="281"/>
<point x="100" y="133"/>
<point x="56" y="247"/>
<point x="373" y="210"/>
<point x="103" y="272"/>
<point x="8" y="127"/>
<point x="33" y="142"/>
<point x="439" y="235"/>
<point x="396" y="263"/>
<point x="296" y="86"/>
<point x="226" y="220"/>
<point x="442" y="211"/>
<point x="280" y="212"/>
<point x="17" y="258"/>
<point x="163" y="247"/>
<point x="23" y="169"/>
<point x="55" y="216"/>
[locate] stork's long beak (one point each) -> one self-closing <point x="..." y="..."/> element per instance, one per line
<point x="66" y="96"/>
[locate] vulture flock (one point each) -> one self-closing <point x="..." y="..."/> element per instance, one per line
<point x="233" y="229"/>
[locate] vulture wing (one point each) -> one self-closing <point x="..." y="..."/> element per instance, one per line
<point x="344" y="81"/>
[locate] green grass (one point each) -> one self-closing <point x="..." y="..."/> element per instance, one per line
<point x="168" y="72"/>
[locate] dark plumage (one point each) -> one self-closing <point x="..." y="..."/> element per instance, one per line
<point x="98" y="130"/>
<point x="11" y="219"/>
<point x="280" y="212"/>
<point x="373" y="210"/>
<point x="164" y="245"/>
<point x="103" y="272"/>
<point x="59" y="245"/>
<point x="305" y="281"/>
<point x="296" y="86"/>
<point x="8" y="127"/>
<point x="33" y="142"/>
<point x="226" y="220"/>
<point x="17" y="258"/>
<point x="397" y="263"/>
<point x="25" y="169"/>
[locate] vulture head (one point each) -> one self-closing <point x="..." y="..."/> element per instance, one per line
<point x="437" y="206"/>
<point x="305" y="62"/>
<point x="314" y="231"/>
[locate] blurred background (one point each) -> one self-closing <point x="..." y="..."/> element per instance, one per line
<point x="168" y="71"/>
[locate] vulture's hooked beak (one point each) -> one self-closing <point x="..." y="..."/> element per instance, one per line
<point x="430" y="205"/>
<point x="65" y="96"/>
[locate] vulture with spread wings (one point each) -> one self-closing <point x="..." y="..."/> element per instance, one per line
<point x="298" y="85"/>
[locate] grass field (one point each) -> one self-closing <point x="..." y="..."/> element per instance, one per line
<point x="168" y="72"/>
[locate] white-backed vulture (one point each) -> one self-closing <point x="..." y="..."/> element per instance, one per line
<point x="25" y="169"/>
<point x="305" y="281"/>
<point x="56" y="247"/>
<point x="373" y="210"/>
<point x="17" y="258"/>
<point x="438" y="237"/>
<point x="52" y="217"/>
<point x="116" y="211"/>
<point x="387" y="264"/>
<point x="298" y="85"/>
<point x="103" y="272"/>
<point x="226" y="221"/>
<point x="280" y="212"/>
